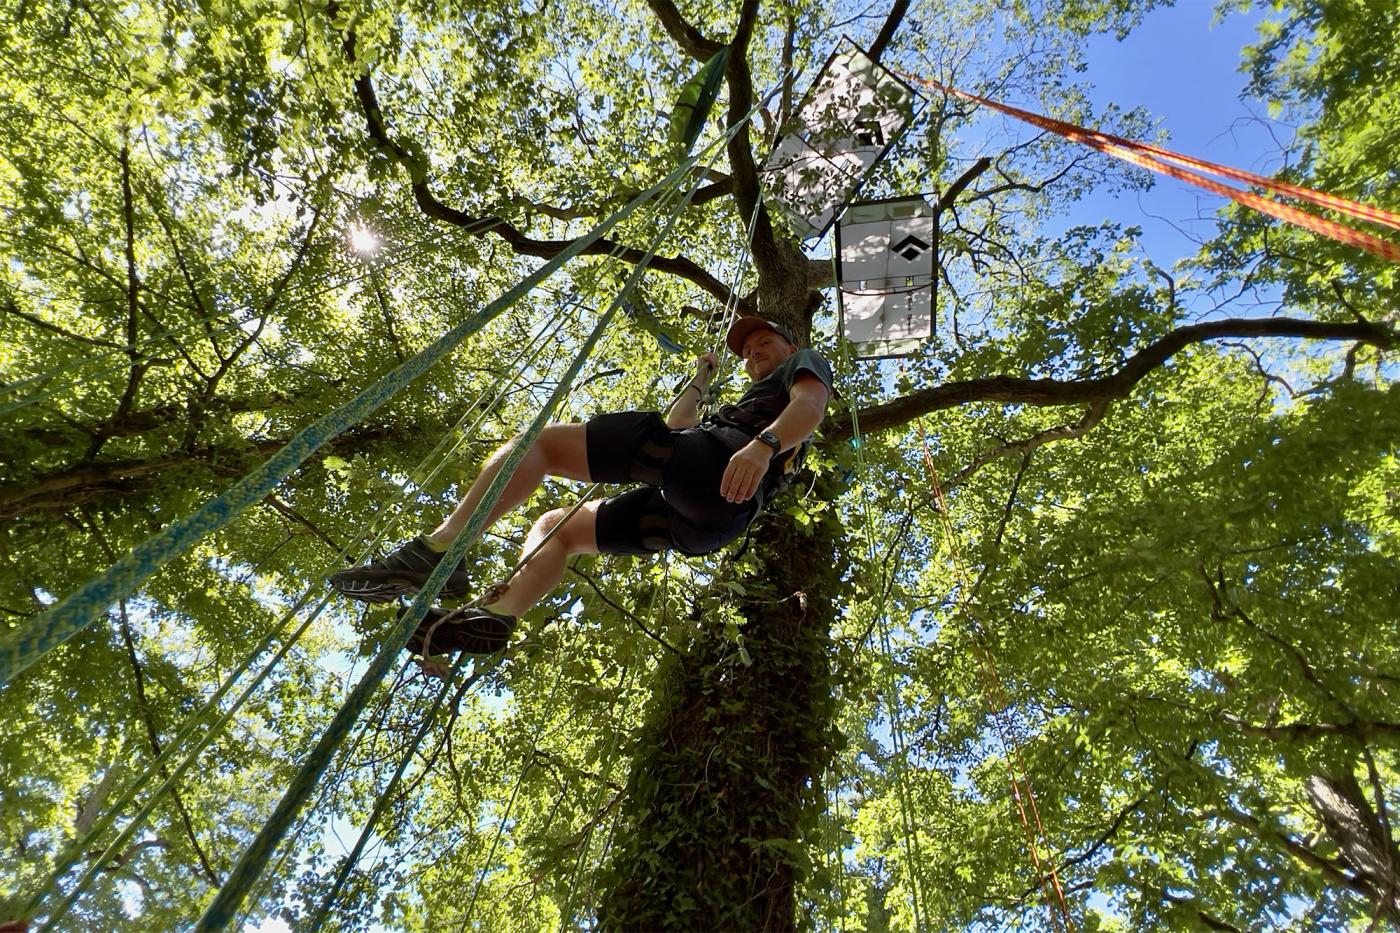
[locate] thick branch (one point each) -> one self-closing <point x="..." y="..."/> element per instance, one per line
<point x="877" y="48"/>
<point x="1361" y="730"/>
<point x="691" y="40"/>
<point x="70" y="486"/>
<point x="81" y="483"/>
<point x="789" y="78"/>
<point x="1021" y="391"/>
<point x="717" y="189"/>
<point x="429" y="204"/>
<point x="950" y="197"/>
<point x="742" y="167"/>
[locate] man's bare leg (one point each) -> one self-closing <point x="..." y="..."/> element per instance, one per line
<point x="560" y="450"/>
<point x="545" y="568"/>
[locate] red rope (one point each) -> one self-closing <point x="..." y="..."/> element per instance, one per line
<point x="1160" y="160"/>
<point x="1023" y="794"/>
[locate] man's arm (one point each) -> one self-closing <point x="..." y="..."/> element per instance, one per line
<point x="685" y="412"/>
<point x="805" y="408"/>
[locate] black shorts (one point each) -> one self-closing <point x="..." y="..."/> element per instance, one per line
<point x="680" y="506"/>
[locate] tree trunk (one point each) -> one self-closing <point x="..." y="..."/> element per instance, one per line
<point x="727" y="779"/>
<point x="785" y="294"/>
<point x="1360" y="838"/>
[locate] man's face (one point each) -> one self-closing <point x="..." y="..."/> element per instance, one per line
<point x="763" y="351"/>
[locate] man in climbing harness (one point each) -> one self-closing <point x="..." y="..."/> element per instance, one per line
<point x="703" y="482"/>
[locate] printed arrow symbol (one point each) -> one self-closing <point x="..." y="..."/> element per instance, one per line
<point x="911" y="247"/>
<point x="870" y="133"/>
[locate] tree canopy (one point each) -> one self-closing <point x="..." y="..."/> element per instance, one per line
<point x="1081" y="617"/>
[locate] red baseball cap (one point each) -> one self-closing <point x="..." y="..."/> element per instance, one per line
<point x="741" y="328"/>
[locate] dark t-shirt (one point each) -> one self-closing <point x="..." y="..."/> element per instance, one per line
<point x="765" y="399"/>
<point x="735" y="425"/>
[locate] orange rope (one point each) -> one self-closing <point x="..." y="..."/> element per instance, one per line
<point x="1049" y="880"/>
<point x="1160" y="160"/>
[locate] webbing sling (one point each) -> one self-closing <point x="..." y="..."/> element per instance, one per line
<point x="1162" y="161"/>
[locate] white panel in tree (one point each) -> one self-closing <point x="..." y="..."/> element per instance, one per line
<point x="886" y="265"/>
<point x="847" y="122"/>
<point x="887" y="323"/>
<point x="864" y="316"/>
<point x="809" y="179"/>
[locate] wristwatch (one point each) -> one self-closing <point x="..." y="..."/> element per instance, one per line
<point x="771" y="439"/>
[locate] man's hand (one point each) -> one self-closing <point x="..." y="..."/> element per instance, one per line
<point x="705" y="366"/>
<point x="745" y="471"/>
<point x="684" y="411"/>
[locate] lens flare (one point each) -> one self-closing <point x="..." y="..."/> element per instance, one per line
<point x="363" y="240"/>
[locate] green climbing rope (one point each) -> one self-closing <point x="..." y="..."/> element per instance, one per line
<point x="22" y="648"/>
<point x="255" y="857"/>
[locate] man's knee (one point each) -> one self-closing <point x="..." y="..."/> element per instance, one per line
<point x="578" y="534"/>
<point x="547" y="522"/>
<point x="564" y="448"/>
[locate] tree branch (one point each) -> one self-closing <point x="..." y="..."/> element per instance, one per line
<point x="429" y="204"/>
<point x="990" y="559"/>
<point x="1212" y="922"/>
<point x="74" y="485"/>
<point x="133" y="282"/>
<point x="743" y="169"/>
<point x="630" y="616"/>
<point x="1298" y="850"/>
<point x="1024" y="446"/>
<point x="1360" y="730"/>
<point x="10" y="307"/>
<point x="897" y="11"/>
<point x="950" y="197"/>
<point x="1098" y="843"/>
<point x="292" y="514"/>
<point x="1042" y="392"/>
<point x="143" y="706"/>
<point x="789" y="79"/>
<point x="691" y="40"/>
<point x="197" y="300"/>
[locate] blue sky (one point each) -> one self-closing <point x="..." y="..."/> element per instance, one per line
<point x="1183" y="68"/>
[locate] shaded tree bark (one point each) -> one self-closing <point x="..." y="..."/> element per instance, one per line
<point x="726" y="783"/>
<point x="1360" y="838"/>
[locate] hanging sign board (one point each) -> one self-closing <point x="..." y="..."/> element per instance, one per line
<point x="849" y="119"/>
<point x="885" y="261"/>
